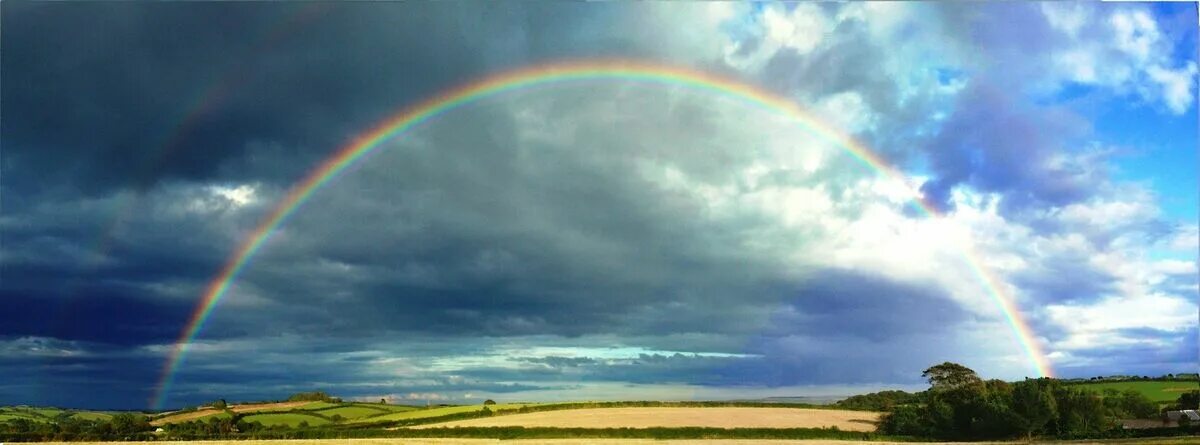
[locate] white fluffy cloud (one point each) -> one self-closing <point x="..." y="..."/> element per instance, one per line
<point x="1122" y="48"/>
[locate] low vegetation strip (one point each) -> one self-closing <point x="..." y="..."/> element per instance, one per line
<point x="672" y="417"/>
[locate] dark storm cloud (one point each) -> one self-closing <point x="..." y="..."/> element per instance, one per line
<point x="79" y="374"/>
<point x="106" y="316"/>
<point x="843" y="302"/>
<point x="508" y="238"/>
<point x="117" y="95"/>
<point x="837" y="323"/>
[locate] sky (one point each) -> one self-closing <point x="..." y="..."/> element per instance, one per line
<point x="595" y="239"/>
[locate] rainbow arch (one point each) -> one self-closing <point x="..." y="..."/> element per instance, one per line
<point x="554" y="73"/>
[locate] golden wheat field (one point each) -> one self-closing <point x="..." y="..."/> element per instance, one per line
<point x="723" y="417"/>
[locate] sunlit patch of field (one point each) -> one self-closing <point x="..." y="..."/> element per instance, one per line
<point x="436" y="412"/>
<point x="669" y="417"/>
<point x="289" y="419"/>
<point x="203" y="414"/>
<point x="352" y="411"/>
<point x="278" y="406"/>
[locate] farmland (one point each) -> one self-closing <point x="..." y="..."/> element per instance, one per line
<point x="668" y="417"/>
<point x="436" y="412"/>
<point x="48" y="414"/>
<point x="1157" y="391"/>
<point x="292" y="420"/>
<point x="291" y="414"/>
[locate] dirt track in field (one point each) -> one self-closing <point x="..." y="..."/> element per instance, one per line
<point x="723" y="417"/>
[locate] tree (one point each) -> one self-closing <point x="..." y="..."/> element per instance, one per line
<point x="905" y="421"/>
<point x="315" y="396"/>
<point x="1034" y="405"/>
<point x="489" y="402"/>
<point x="1189" y="400"/>
<point x="1081" y="413"/>
<point x="947" y="376"/>
<point x="220" y="404"/>
<point x="383" y="401"/>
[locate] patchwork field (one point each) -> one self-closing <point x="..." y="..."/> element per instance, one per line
<point x="435" y="412"/>
<point x="48" y="414"/>
<point x="680" y="417"/>
<point x="1157" y="391"/>
<point x="355" y="411"/>
<point x="316" y="413"/>
<point x="288" y="419"/>
<point x="203" y="414"/>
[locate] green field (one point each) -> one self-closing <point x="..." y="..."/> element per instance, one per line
<point x="353" y="411"/>
<point x="48" y="414"/>
<point x="436" y="412"/>
<point x="1160" y="392"/>
<point x="289" y="419"/>
<point x="392" y="408"/>
<point x="91" y="415"/>
<point x="6" y="416"/>
<point x="313" y="406"/>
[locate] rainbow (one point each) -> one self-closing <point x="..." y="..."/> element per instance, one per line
<point x="556" y="73"/>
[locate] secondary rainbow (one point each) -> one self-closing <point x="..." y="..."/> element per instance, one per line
<point x="556" y="73"/>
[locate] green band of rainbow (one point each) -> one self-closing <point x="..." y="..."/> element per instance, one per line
<point x="414" y="115"/>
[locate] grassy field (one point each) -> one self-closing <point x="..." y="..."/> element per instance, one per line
<point x="91" y="415"/>
<point x="318" y="405"/>
<point x="48" y="414"/>
<point x="436" y="412"/>
<point x="353" y="411"/>
<point x="289" y="419"/>
<point x="321" y="409"/>
<point x="1157" y="391"/>
<point x="674" y="417"/>
<point x="393" y="408"/>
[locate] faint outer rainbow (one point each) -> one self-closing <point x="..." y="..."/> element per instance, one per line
<point x="554" y="73"/>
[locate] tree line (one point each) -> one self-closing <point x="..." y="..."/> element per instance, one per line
<point x="960" y="405"/>
<point x="124" y="426"/>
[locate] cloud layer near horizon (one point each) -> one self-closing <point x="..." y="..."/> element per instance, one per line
<point x="610" y="238"/>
